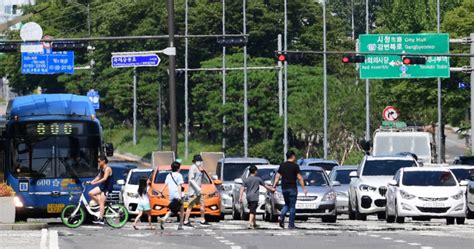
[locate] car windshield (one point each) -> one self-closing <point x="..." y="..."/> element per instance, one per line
<point x="161" y="177"/>
<point x="342" y="176"/>
<point x="463" y="174"/>
<point x="325" y="166"/>
<point x="137" y="175"/>
<point x="429" y="178"/>
<point x="265" y="174"/>
<point x="385" y="167"/>
<point x="234" y="170"/>
<point x="312" y="178"/>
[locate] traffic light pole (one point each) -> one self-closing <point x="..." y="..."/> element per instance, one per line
<point x="172" y="80"/>
<point x="472" y="94"/>
<point x="440" y="133"/>
<point x="367" y="82"/>
<point x="246" y="137"/>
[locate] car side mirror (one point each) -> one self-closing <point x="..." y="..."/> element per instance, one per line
<point x="336" y="183"/>
<point x="121" y="182"/>
<point x="238" y="181"/>
<point x="464" y="183"/>
<point x="392" y="183"/>
<point x="215" y="177"/>
<point x="109" y="149"/>
<point x="268" y="182"/>
<point x="353" y="174"/>
<point x="217" y="182"/>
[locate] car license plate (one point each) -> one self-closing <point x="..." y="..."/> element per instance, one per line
<point x="433" y="204"/>
<point x="305" y="206"/>
<point x="54" y="208"/>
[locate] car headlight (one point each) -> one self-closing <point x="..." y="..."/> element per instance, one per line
<point x="227" y="187"/>
<point x="278" y="196"/>
<point x="155" y="193"/>
<point x="342" y="194"/>
<point x="214" y="194"/>
<point x="133" y="195"/>
<point x="406" y="195"/>
<point x="365" y="187"/>
<point x="329" y="196"/>
<point x="458" y="196"/>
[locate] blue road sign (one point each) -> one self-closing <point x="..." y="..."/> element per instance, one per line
<point x="94" y="98"/>
<point x="142" y="60"/>
<point x="47" y="62"/>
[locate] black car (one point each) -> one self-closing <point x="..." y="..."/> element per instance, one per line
<point x="465" y="160"/>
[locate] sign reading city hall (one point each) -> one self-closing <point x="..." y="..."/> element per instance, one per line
<point x="392" y="67"/>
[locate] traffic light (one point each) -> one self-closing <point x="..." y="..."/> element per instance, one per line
<point x="239" y="41"/>
<point x="353" y="59"/>
<point x="281" y="57"/>
<point x="413" y="60"/>
<point x="8" y="47"/>
<point x="69" y="46"/>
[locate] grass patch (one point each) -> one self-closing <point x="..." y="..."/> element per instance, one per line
<point x="147" y="142"/>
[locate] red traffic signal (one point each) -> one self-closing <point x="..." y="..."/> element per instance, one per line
<point x="413" y="60"/>
<point x="353" y="59"/>
<point x="281" y="57"/>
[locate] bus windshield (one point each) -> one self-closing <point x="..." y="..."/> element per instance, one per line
<point x="53" y="155"/>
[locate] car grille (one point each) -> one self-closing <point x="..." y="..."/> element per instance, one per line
<point x="113" y="197"/>
<point x="307" y="198"/>
<point x="433" y="210"/>
<point x="382" y="190"/>
<point x="433" y="199"/>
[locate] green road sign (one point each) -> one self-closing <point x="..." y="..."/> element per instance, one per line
<point x="392" y="67"/>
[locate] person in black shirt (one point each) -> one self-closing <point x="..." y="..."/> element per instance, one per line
<point x="289" y="172"/>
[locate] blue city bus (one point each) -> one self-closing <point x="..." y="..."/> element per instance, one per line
<point x="50" y="145"/>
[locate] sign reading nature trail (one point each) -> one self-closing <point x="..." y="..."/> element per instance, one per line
<point x="392" y="67"/>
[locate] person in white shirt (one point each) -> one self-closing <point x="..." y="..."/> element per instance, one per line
<point x="174" y="181"/>
<point x="194" y="191"/>
<point x="143" y="203"/>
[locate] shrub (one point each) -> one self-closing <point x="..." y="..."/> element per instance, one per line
<point x="6" y="191"/>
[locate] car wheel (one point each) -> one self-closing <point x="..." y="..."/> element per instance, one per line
<point x="329" y="219"/>
<point x="460" y="220"/>
<point x="235" y="214"/>
<point x="351" y="212"/>
<point x="359" y="215"/>
<point x="450" y="221"/>
<point x="243" y="214"/>
<point x="398" y="218"/>
<point x="389" y="218"/>
<point x="469" y="214"/>
<point x="381" y="216"/>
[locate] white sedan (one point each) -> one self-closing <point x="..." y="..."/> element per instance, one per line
<point x="426" y="193"/>
<point x="130" y="190"/>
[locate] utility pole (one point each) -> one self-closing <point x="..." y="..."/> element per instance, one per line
<point x="135" y="106"/>
<point x="246" y="136"/>
<point x="223" y="79"/>
<point x="325" y="85"/>
<point x="186" y="109"/>
<point x="367" y="83"/>
<point x="285" y="83"/>
<point x="472" y="94"/>
<point x="172" y="80"/>
<point x="440" y="125"/>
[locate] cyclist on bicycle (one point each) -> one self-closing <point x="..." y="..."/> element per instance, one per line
<point x="99" y="193"/>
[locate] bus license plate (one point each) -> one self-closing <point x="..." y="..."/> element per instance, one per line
<point x="54" y="208"/>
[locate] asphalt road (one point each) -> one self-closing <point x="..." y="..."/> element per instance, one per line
<point x="234" y="235"/>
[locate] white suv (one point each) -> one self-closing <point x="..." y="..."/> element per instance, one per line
<point x="369" y="184"/>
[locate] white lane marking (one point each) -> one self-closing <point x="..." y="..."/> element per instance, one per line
<point x="387" y="238"/>
<point x="414" y="244"/>
<point x="235" y="247"/>
<point x="44" y="237"/>
<point x="230" y="243"/>
<point x="219" y="237"/>
<point x="399" y="241"/>
<point x="207" y="230"/>
<point x="53" y="239"/>
<point x="374" y="235"/>
<point x="426" y="247"/>
<point x="225" y="241"/>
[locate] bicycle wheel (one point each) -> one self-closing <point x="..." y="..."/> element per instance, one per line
<point x="116" y="215"/>
<point x="70" y="220"/>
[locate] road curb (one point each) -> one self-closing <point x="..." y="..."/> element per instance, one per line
<point x="23" y="226"/>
